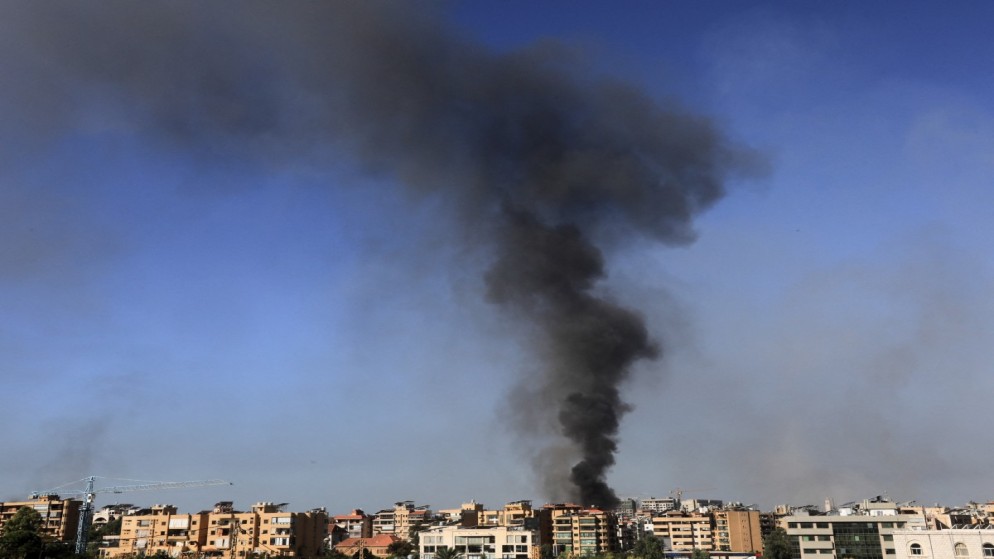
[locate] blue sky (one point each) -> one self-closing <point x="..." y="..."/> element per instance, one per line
<point x="173" y="309"/>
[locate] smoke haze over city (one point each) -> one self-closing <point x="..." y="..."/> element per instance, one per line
<point x="349" y="254"/>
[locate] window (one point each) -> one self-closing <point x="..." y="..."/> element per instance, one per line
<point x="988" y="550"/>
<point x="915" y="549"/>
<point x="959" y="550"/>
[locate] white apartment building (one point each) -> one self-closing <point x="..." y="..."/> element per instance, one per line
<point x="658" y="505"/>
<point x="956" y="543"/>
<point x="846" y="536"/>
<point x="489" y="542"/>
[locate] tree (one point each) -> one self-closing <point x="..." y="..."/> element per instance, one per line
<point x="649" y="547"/>
<point x="445" y="552"/>
<point x="21" y="537"/>
<point x="400" y="548"/>
<point x="700" y="554"/>
<point x="366" y="554"/>
<point x="776" y="545"/>
<point x="96" y="536"/>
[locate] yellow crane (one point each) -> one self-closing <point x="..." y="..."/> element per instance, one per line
<point x="88" y="493"/>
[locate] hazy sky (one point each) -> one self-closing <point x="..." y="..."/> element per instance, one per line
<point x="199" y="280"/>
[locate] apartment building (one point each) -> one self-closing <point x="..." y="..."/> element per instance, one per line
<point x="59" y="517"/>
<point x="223" y="533"/>
<point x="952" y="543"/>
<point x="481" y="542"/>
<point x="519" y="514"/>
<point x="737" y="531"/>
<point x="402" y="520"/>
<point x="658" y="505"/>
<point x="162" y="529"/>
<point x="356" y="524"/>
<point x="384" y="522"/>
<point x="686" y="531"/>
<point x="851" y="536"/>
<point x="579" y="531"/>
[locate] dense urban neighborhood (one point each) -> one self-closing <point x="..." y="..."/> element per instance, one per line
<point x="649" y="528"/>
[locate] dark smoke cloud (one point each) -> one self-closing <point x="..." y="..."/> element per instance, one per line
<point x="539" y="160"/>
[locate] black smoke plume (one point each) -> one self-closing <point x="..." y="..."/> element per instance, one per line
<point x="539" y="159"/>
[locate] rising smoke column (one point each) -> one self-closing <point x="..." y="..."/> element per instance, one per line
<point x="546" y="167"/>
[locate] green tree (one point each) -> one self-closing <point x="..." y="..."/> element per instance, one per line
<point x="400" y="548"/>
<point x="545" y="552"/>
<point x="96" y="536"/>
<point x="445" y="552"/>
<point x="776" y="545"/>
<point x="700" y="554"/>
<point x="649" y="547"/>
<point x="21" y="537"/>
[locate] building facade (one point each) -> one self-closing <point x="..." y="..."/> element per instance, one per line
<point x="846" y="536"/>
<point x="658" y="505"/>
<point x="955" y="543"/>
<point x="737" y="531"/>
<point x="583" y="532"/>
<point x="356" y="524"/>
<point x="482" y="542"/>
<point x="223" y="533"/>
<point x="686" y="531"/>
<point x="59" y="517"/>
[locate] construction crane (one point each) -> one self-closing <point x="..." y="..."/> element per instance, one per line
<point x="89" y="492"/>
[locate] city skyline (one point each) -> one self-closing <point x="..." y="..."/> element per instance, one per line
<point x="281" y="313"/>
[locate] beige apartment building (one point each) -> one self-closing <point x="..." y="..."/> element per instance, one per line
<point x="579" y="531"/>
<point x="356" y="524"/>
<point x="686" y="531"/>
<point x="59" y="517"/>
<point x="402" y="520"/>
<point x="222" y="533"/>
<point x="737" y="531"/>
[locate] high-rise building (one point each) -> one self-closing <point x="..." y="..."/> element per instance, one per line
<point x="737" y="531"/>
<point x="579" y="531"/>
